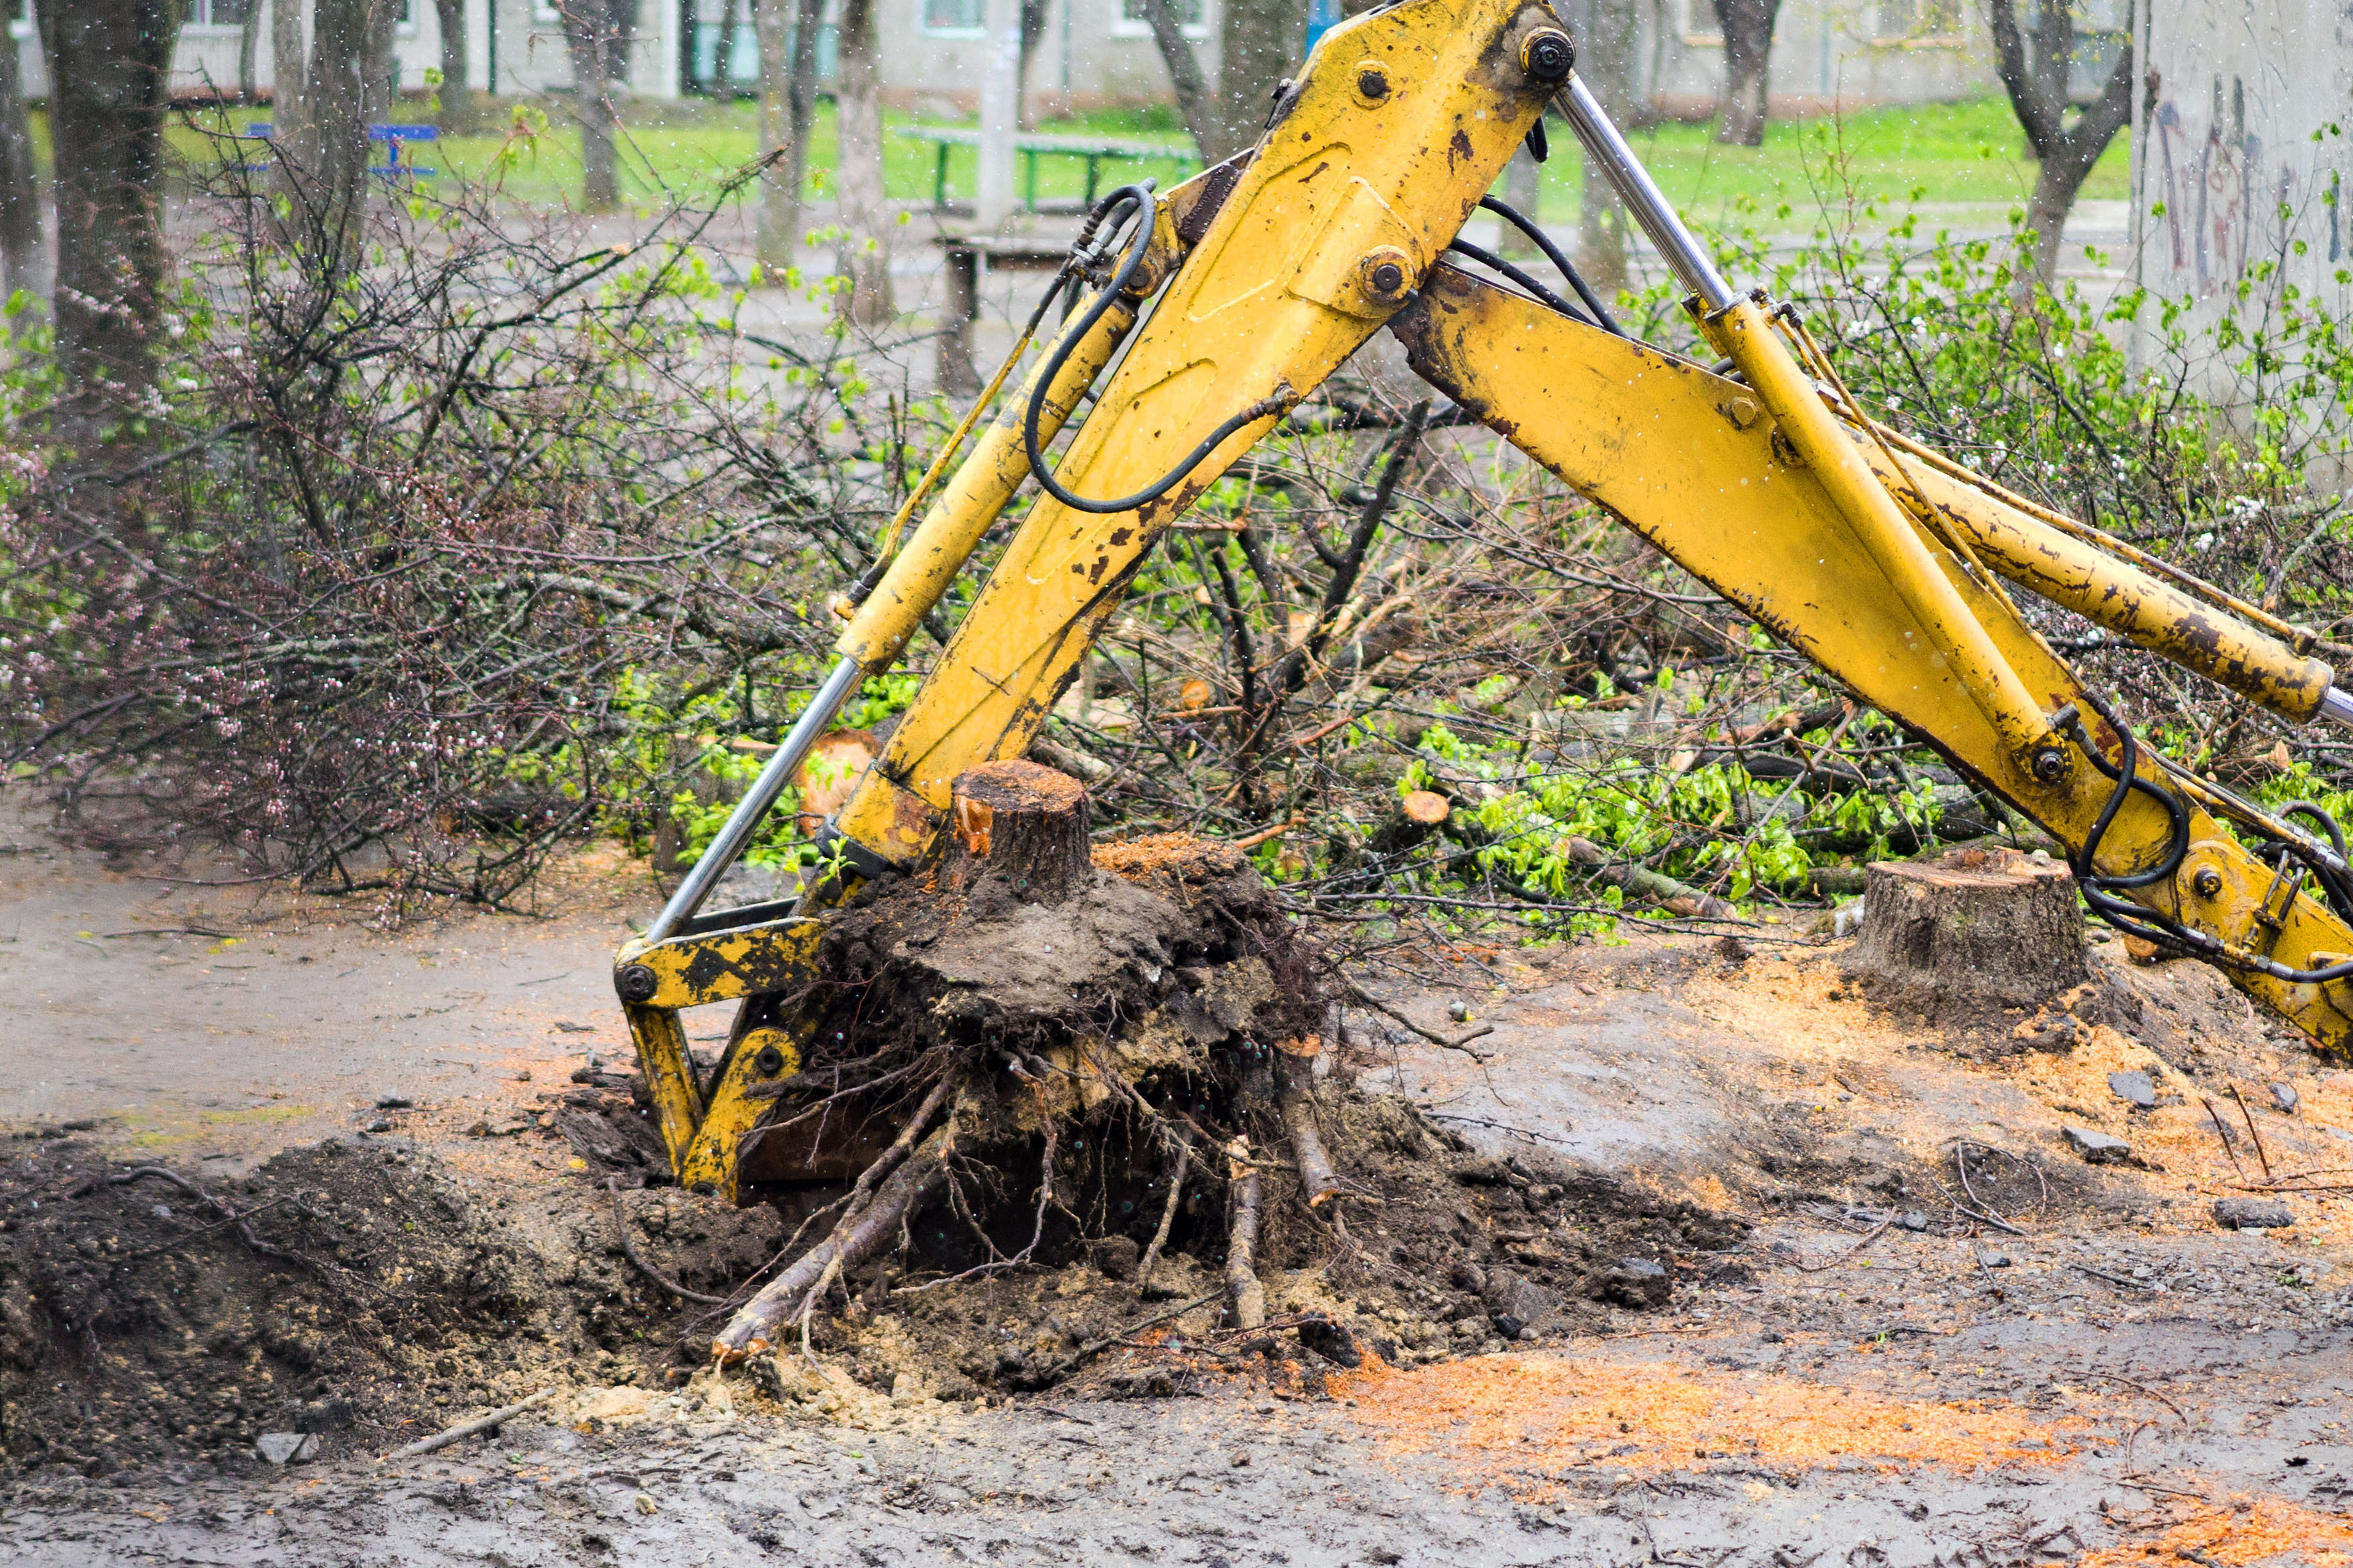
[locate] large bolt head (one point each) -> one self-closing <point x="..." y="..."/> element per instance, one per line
<point x="1372" y="82"/>
<point x="637" y="983"/>
<point x="1547" y="54"/>
<point x="2208" y="882"/>
<point x="2050" y="765"/>
<point x="769" y="1062"/>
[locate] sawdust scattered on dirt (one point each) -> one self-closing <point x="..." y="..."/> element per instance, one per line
<point x="1517" y="1421"/>
<point x="2243" y="1534"/>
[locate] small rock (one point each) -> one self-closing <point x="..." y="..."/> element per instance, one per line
<point x="1994" y="1259"/>
<point x="1508" y="1294"/>
<point x="1636" y="1282"/>
<point x="943" y="1494"/>
<point x="647" y="1505"/>
<point x="1241" y="1458"/>
<point x="1482" y="1172"/>
<point x="479" y="1130"/>
<point x="1912" y="1220"/>
<point x="2284" y="1098"/>
<point x="2098" y="1148"/>
<point x="1459" y="1011"/>
<point x="2134" y="1089"/>
<point x="1508" y="1326"/>
<point x="1330" y="1341"/>
<point x="286" y="1447"/>
<point x="1732" y="950"/>
<point x="392" y="1102"/>
<point x="1468" y="1276"/>
<point x="379" y="1125"/>
<point x="2253" y="1213"/>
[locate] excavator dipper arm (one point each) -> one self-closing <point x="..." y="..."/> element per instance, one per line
<point x="1882" y="562"/>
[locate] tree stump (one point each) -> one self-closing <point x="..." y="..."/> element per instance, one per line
<point x="1972" y="933"/>
<point x="1024" y="823"/>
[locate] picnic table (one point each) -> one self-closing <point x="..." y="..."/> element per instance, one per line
<point x="1034" y="146"/>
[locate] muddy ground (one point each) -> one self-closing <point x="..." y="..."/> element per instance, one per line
<point x="1842" y="1369"/>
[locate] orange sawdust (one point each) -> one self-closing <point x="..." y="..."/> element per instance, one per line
<point x="2246" y="1532"/>
<point x="1517" y="1421"/>
<point x="1133" y="858"/>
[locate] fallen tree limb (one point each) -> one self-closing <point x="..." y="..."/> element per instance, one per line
<point x="858" y="1237"/>
<point x="1641" y="882"/>
<point x="1245" y="1295"/>
<point x="1063" y="1368"/>
<point x="1317" y="1180"/>
<point x="465" y="1429"/>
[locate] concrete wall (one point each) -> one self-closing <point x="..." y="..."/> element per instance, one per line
<point x="2245" y="118"/>
<point x="1826" y="53"/>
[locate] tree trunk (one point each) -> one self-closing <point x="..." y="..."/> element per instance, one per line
<point x="723" y="56"/>
<point x="351" y="51"/>
<point x="457" y="97"/>
<point x="1747" y="61"/>
<point x="2035" y="82"/>
<point x="1608" y="43"/>
<point x="787" y="102"/>
<point x="248" y="44"/>
<point x="865" y="214"/>
<point x="1033" y="33"/>
<point x="788" y="36"/>
<point x="109" y="86"/>
<point x="1972" y="933"/>
<point x="1020" y="822"/>
<point x="592" y="35"/>
<point x="1197" y="101"/>
<point x="1258" y="42"/>
<point x="22" y="254"/>
<point x="287" y="98"/>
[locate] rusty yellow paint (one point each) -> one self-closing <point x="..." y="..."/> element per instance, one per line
<point x="1275" y="295"/>
<point x="1648" y="435"/>
<point x="1877" y="525"/>
<point x="736" y="1106"/>
<point x="2142" y="609"/>
<point x="723" y="965"/>
<point x="670" y="1075"/>
<point x="701" y="1135"/>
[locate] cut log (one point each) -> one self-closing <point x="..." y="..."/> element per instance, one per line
<point x="1409" y="821"/>
<point x="1245" y="1296"/>
<point x="1317" y="1181"/>
<point x="1970" y="934"/>
<point x="1021" y="821"/>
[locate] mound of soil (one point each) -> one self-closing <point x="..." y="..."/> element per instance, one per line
<point x="356" y="1289"/>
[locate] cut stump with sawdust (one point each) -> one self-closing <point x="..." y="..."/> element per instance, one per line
<point x="1970" y="934"/>
<point x="1065" y="1041"/>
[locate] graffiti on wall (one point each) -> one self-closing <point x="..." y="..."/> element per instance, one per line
<point x="2227" y="201"/>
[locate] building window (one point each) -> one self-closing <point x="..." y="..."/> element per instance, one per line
<point x="967" y="17"/>
<point x="216" y="13"/>
<point x="1129" y="20"/>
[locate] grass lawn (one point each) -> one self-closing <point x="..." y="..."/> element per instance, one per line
<point x="1942" y="153"/>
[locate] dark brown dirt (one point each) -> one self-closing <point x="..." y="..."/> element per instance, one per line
<point x="138" y="1325"/>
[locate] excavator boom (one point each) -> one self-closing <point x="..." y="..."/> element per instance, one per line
<point x="1236" y="295"/>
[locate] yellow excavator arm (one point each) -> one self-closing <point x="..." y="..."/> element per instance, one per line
<point x="1234" y="296"/>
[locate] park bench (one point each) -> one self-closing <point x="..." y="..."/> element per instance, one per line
<point x="1032" y="146"/>
<point x="965" y="254"/>
<point x="393" y="137"/>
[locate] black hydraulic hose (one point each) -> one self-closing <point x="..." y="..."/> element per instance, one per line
<point x="1552" y="253"/>
<point x="1544" y="296"/>
<point x="2154" y="925"/>
<point x="1139" y="197"/>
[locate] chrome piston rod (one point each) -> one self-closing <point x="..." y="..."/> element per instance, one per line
<point x="745" y="820"/>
